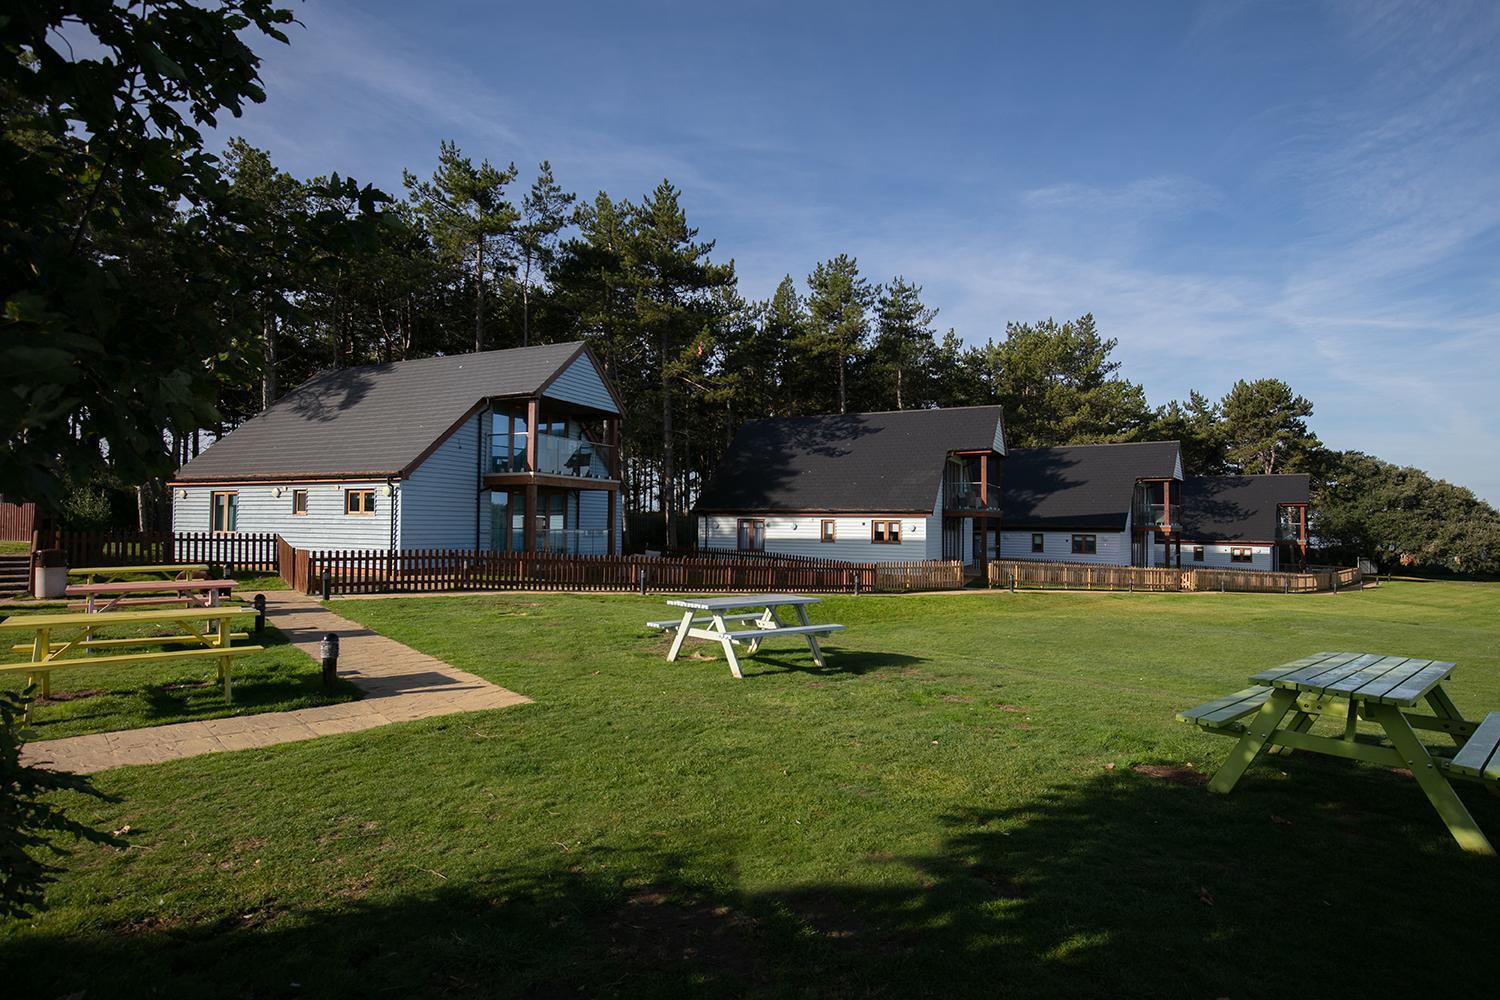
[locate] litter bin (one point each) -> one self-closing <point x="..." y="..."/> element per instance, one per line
<point x="49" y="575"/>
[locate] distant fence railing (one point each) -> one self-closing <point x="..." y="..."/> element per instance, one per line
<point x="1026" y="574"/>
<point x="17" y="521"/>
<point x="241" y="551"/>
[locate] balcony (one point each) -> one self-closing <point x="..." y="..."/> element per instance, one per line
<point x="556" y="455"/>
<point x="963" y="495"/>
<point x="1149" y="516"/>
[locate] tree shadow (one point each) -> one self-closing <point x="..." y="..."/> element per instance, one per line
<point x="324" y="397"/>
<point x="1111" y="886"/>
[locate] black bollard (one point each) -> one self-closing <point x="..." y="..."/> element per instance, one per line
<point x="327" y="584"/>
<point x="642" y="578"/>
<point x="330" y="653"/>
<point x="260" y="612"/>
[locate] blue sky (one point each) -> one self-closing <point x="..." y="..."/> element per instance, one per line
<point x="1302" y="190"/>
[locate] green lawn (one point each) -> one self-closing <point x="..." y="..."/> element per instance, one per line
<point x="108" y="698"/>
<point x="10" y="547"/>
<point x="936" y="814"/>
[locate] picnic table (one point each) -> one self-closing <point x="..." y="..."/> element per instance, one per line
<point x="1284" y="703"/>
<point x="708" y="618"/>
<point x="102" y="597"/>
<point x="214" y="640"/>
<point x="167" y="571"/>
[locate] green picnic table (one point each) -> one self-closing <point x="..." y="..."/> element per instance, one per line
<point x="1280" y="710"/>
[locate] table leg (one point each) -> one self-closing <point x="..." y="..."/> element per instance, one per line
<point x="1443" y="708"/>
<point x="1253" y="741"/>
<point x="812" y="640"/>
<point x="1432" y="781"/>
<point x="721" y="627"/>
<point x="682" y="631"/>
<point x="224" y="666"/>
<point x="1301" y="723"/>
<point x="768" y="617"/>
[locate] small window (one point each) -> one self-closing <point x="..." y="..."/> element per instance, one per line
<point x="752" y="534"/>
<point x="359" y="501"/>
<point x="829" y="531"/>
<point x="885" y="532"/>
<point x="1038" y="542"/>
<point x="1241" y="556"/>
<point x="225" y="513"/>
<point x="1197" y="553"/>
<point x="299" y="501"/>
<point x="1085" y="545"/>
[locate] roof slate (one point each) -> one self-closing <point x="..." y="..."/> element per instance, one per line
<point x="1081" y="486"/>
<point x="1238" y="508"/>
<point x="874" y="462"/>
<point x="372" y="421"/>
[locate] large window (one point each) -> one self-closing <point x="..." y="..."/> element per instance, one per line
<point x="359" y="501"/>
<point x="829" y="530"/>
<point x="1085" y="545"/>
<point x="508" y="434"/>
<point x="1239" y="555"/>
<point x="225" y="512"/>
<point x="885" y="532"/>
<point x="752" y="535"/>
<point x="299" y="501"/>
<point x="1038" y="541"/>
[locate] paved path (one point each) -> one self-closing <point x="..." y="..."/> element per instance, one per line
<point x="399" y="684"/>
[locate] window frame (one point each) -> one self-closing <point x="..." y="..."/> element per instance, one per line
<point x="828" y="531"/>
<point x="1241" y="554"/>
<point x="232" y="511"/>
<point x="369" y="508"/>
<point x="892" y="531"/>
<point x="1038" y="542"/>
<point x="299" y="495"/>
<point x="756" y="524"/>
<point x="1199" y="553"/>
<point x="1085" y="545"/>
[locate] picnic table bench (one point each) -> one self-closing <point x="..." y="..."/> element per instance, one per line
<point x="1280" y="709"/>
<point x="214" y="641"/>
<point x="102" y="597"/>
<point x="167" y="571"/>
<point x="713" y="624"/>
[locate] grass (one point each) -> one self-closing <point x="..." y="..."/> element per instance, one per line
<point x="952" y="808"/>
<point x="9" y="547"/>
<point x="109" y="698"/>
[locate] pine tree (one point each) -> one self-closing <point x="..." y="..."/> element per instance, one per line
<point x="904" y="343"/>
<point x="544" y="212"/>
<point x="1265" y="427"/>
<point x="839" y="301"/>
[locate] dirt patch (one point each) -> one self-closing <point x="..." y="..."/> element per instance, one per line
<point x="60" y="696"/>
<point x="831" y="918"/>
<point x="658" y="927"/>
<point x="1009" y="708"/>
<point x="958" y="699"/>
<point x="1167" y="772"/>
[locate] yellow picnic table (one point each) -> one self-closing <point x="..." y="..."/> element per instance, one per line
<point x="167" y="571"/>
<point x="213" y="639"/>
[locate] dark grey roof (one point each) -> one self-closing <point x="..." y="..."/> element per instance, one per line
<point x="1081" y="486"/>
<point x="376" y="420"/>
<point x="1237" y="508"/>
<point x="872" y="462"/>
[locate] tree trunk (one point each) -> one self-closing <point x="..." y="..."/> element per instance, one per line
<point x="668" y="456"/>
<point x="899" y="405"/>
<point x="526" y="304"/>
<point x="479" y="296"/>
<point x="269" y="389"/>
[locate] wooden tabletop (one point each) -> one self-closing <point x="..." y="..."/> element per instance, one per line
<point x="154" y="568"/>
<point x="146" y="587"/>
<point x="742" y="601"/>
<point x="30" y="623"/>
<point x="1388" y="680"/>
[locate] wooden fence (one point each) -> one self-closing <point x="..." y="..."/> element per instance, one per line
<point x="246" y="551"/>
<point x="17" y="521"/>
<point x="1025" y="574"/>
<point x="920" y="575"/>
<point x="436" y="570"/>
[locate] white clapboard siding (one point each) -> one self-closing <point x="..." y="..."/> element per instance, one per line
<point x="1216" y="555"/>
<point x="798" y="535"/>
<point x="324" y="526"/>
<point x="593" y="512"/>
<point x="933" y="542"/>
<point x="1113" y="547"/>
<point x="583" y="384"/>
<point x="440" y="501"/>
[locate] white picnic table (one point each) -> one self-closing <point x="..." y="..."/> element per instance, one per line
<point x="709" y="618"/>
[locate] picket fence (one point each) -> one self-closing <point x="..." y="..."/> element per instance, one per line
<point x="240" y="551"/>
<point x="1019" y="574"/>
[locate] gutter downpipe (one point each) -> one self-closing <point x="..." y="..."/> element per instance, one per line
<point x="489" y="407"/>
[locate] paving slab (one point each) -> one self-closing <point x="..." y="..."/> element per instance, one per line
<point x="397" y="684"/>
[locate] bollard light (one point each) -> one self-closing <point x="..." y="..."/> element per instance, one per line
<point x="260" y="612"/>
<point x="327" y="584"/>
<point x="329" y="649"/>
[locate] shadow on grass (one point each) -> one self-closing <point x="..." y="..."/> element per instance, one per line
<point x="1119" y="885"/>
<point x="840" y="661"/>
